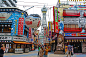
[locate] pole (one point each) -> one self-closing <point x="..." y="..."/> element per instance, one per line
<point x="67" y="2"/>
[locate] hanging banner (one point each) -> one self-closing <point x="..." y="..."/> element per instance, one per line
<point x="30" y="32"/>
<point x="50" y="29"/>
<point x="32" y="46"/>
<point x="55" y="15"/>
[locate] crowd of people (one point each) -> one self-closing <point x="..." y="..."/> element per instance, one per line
<point x="42" y="51"/>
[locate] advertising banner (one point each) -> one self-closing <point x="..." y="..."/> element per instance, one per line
<point x="81" y="34"/>
<point x="30" y="32"/>
<point x="55" y="15"/>
<point x="74" y="34"/>
<point x="50" y="29"/>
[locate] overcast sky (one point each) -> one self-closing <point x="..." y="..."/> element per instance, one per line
<point x="38" y="4"/>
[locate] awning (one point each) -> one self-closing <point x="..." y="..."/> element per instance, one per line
<point x="75" y="37"/>
<point x="18" y="42"/>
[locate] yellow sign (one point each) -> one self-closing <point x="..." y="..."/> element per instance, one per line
<point x="43" y="11"/>
<point x="15" y="25"/>
<point x="49" y="27"/>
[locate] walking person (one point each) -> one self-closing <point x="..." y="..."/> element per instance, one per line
<point x="39" y="47"/>
<point x="69" y="50"/>
<point x="2" y="49"/>
<point x="41" y="53"/>
<point x="46" y="52"/>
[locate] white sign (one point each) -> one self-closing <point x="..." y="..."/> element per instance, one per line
<point x="17" y="38"/>
<point x="5" y="37"/>
<point x="5" y="33"/>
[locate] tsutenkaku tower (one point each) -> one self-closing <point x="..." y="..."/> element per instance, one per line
<point x="44" y="22"/>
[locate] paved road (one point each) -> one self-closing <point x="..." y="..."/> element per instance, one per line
<point x="34" y="54"/>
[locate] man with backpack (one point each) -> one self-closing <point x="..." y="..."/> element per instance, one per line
<point x="69" y="50"/>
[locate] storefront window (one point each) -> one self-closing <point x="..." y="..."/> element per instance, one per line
<point x="5" y="28"/>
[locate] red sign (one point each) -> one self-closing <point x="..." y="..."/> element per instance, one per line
<point x="81" y="34"/>
<point x="20" y="26"/>
<point x="73" y="34"/>
<point x="29" y="32"/>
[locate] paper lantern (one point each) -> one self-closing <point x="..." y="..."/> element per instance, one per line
<point x="33" y="21"/>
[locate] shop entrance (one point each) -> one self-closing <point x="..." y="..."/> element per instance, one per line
<point x="77" y="48"/>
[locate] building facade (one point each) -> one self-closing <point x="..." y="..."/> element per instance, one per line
<point x="14" y="34"/>
<point x="74" y="29"/>
<point x="70" y="23"/>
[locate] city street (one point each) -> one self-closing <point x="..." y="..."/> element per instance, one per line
<point x="34" y="54"/>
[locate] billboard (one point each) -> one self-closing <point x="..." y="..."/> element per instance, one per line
<point x="55" y="18"/>
<point x="30" y="32"/>
<point x="49" y="29"/>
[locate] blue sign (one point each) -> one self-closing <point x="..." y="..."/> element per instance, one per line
<point x="49" y="39"/>
<point x="68" y="34"/>
<point x="31" y="39"/>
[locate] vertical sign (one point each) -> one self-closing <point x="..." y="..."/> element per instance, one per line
<point x="49" y="29"/>
<point x="55" y="16"/>
<point x="30" y="32"/>
<point x="20" y="26"/>
<point x="32" y="46"/>
<point x="15" y="26"/>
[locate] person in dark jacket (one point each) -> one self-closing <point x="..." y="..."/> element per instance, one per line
<point x="2" y="49"/>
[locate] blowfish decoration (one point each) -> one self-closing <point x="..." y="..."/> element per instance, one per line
<point x="33" y="21"/>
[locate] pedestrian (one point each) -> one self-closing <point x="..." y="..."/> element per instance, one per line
<point x="69" y="50"/>
<point x="46" y="52"/>
<point x="2" y="49"/>
<point x="41" y="53"/>
<point x="39" y="47"/>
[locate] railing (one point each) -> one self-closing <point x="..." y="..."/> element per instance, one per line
<point x="71" y="14"/>
<point x="72" y="29"/>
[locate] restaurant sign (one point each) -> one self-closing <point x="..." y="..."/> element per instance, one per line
<point x="74" y="34"/>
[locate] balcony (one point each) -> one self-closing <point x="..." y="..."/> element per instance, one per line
<point x="70" y="14"/>
<point x="72" y="29"/>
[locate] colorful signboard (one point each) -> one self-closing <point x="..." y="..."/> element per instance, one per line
<point x="55" y="16"/>
<point x="81" y="34"/>
<point x="50" y="29"/>
<point x="20" y="26"/>
<point x="30" y="32"/>
<point x="74" y="34"/>
<point x="70" y="34"/>
<point x="45" y="32"/>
